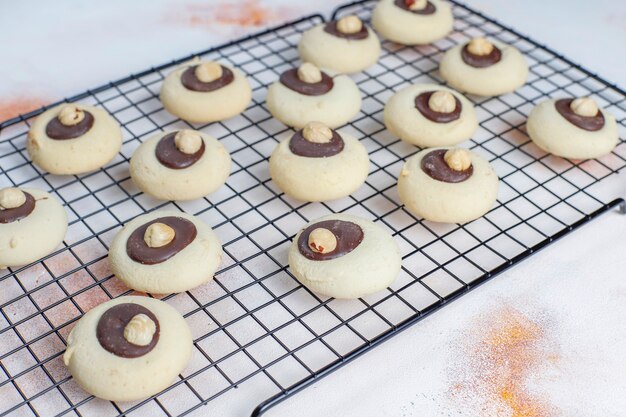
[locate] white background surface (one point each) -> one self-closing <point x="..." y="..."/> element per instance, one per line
<point x="55" y="49"/>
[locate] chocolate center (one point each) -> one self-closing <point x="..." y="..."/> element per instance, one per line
<point x="331" y="27"/>
<point x="169" y="155"/>
<point x="349" y="235"/>
<point x="110" y="330"/>
<point x="139" y="251"/>
<point x="429" y="9"/>
<point x="191" y="82"/>
<point x="481" y="61"/>
<point x="57" y="130"/>
<point x="421" y="104"/>
<point x="290" y="80"/>
<point x="434" y="164"/>
<point x="589" y="123"/>
<point x="18" y="213"/>
<point x="302" y="147"/>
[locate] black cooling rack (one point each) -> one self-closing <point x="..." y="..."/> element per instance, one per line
<point x="258" y="334"/>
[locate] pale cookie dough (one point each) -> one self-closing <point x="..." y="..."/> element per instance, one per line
<point x="344" y="256"/>
<point x="165" y="257"/>
<point x="180" y="165"/>
<point x="412" y="22"/>
<point x="448" y="202"/>
<point x="132" y="362"/>
<point x="443" y="118"/>
<point x="553" y="133"/>
<point x="504" y="76"/>
<point x="326" y="166"/>
<point x="219" y="92"/>
<point x="87" y="139"/>
<point x="32" y="225"/>
<point x="356" y="48"/>
<point x="334" y="107"/>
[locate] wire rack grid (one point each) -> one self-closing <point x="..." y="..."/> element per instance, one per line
<point x="258" y="333"/>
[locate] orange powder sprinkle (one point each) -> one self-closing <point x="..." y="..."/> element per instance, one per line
<point x="246" y="13"/>
<point x="506" y="351"/>
<point x="12" y="107"/>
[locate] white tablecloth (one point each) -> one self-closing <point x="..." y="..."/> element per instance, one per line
<point x="566" y="305"/>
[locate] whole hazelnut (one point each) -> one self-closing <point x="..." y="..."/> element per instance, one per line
<point x="442" y="102"/>
<point x="11" y="198"/>
<point x="188" y="141"/>
<point x="584" y="106"/>
<point x="480" y="47"/>
<point x="416" y="4"/>
<point x="322" y="240"/>
<point x="158" y="234"/>
<point x="349" y="24"/>
<point x="140" y="330"/>
<point x="208" y="71"/>
<point x="71" y="115"/>
<point x="309" y="73"/>
<point x="458" y="159"/>
<point x="317" y="132"/>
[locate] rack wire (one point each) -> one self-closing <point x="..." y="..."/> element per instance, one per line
<point x="258" y="333"/>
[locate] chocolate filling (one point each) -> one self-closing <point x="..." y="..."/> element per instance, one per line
<point x="481" y="61"/>
<point x="434" y="164"/>
<point x="110" y="330"/>
<point x="18" y="213"/>
<point x="169" y="155"/>
<point x="589" y="123"/>
<point x="139" y="251"/>
<point x="421" y="104"/>
<point x="191" y="82"/>
<point x="331" y="27"/>
<point x="290" y="80"/>
<point x="57" y="130"/>
<point x="349" y="235"/>
<point x="404" y="5"/>
<point x="302" y="147"/>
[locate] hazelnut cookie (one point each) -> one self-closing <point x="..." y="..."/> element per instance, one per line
<point x="32" y="225"/>
<point x="319" y="164"/>
<point x="205" y="91"/>
<point x="73" y="139"/>
<point x="429" y="115"/>
<point x="309" y="93"/>
<point x="344" y="256"/>
<point x="128" y="348"/>
<point x="412" y="22"/>
<point x="448" y="185"/>
<point x="573" y="128"/>
<point x="345" y="45"/>
<point x="165" y="252"/>
<point x="180" y="165"/>
<point x="484" y="68"/>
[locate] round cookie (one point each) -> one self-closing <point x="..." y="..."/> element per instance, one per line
<point x="73" y="139"/>
<point x="128" y="348"/>
<point x="573" y="128"/>
<point x="428" y="115"/>
<point x="180" y="165"/>
<point x="484" y="68"/>
<point x="412" y="22"/>
<point x="319" y="164"/>
<point x="32" y="225"/>
<point x="165" y="252"/>
<point x="309" y="94"/>
<point x="203" y="92"/>
<point x="344" y="256"/>
<point x="345" y="45"/>
<point x="448" y="185"/>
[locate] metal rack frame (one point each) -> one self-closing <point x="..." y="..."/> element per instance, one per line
<point x="288" y="337"/>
